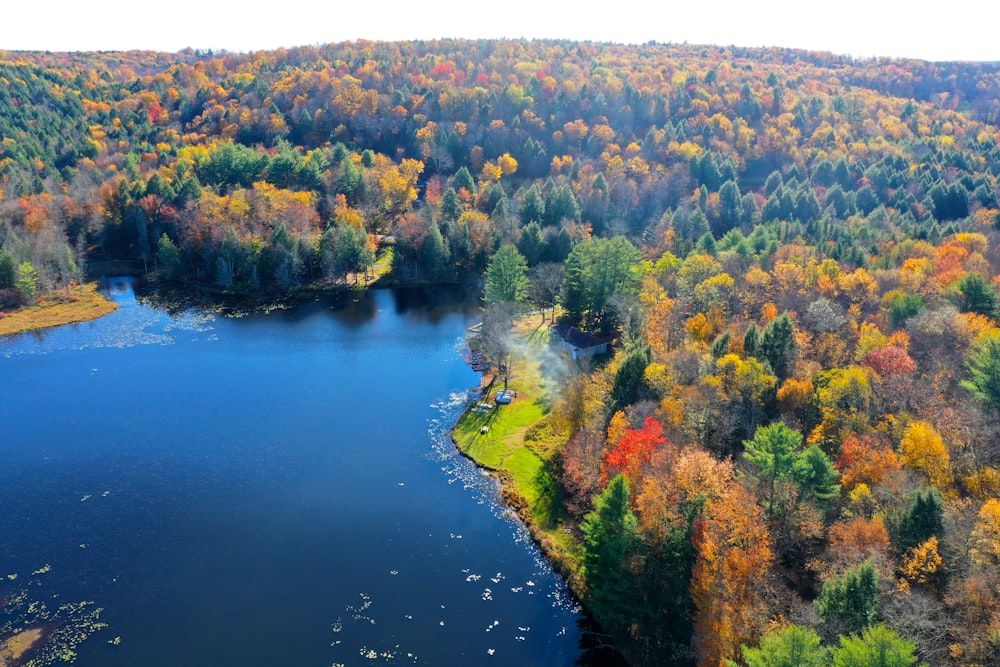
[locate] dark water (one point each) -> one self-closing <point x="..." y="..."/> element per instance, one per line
<point x="274" y="489"/>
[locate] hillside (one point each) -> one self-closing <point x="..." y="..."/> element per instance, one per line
<point x="797" y="254"/>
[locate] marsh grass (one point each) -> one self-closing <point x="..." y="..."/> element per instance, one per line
<point x="83" y="303"/>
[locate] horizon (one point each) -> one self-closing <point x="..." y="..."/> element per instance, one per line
<point x="854" y="28"/>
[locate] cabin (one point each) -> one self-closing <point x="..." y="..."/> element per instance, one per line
<point x="580" y="344"/>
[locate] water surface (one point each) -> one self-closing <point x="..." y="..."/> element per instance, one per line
<point x="275" y="489"/>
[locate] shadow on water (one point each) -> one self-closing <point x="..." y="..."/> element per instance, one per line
<point x="596" y="647"/>
<point x="434" y="302"/>
<point x="427" y="303"/>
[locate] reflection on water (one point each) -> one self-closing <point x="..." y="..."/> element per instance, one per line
<point x="277" y="488"/>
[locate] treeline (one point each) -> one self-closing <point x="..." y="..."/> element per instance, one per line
<point x="451" y="148"/>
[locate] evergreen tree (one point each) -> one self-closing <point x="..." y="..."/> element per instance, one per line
<point x="983" y="364"/>
<point x="720" y="346"/>
<point x="772" y="450"/>
<point x="849" y="603"/>
<point x="903" y="306"/>
<point x="8" y="270"/>
<point x="463" y="179"/>
<point x="532" y="207"/>
<point x="168" y="256"/>
<point x="506" y="276"/>
<point x="611" y="539"/>
<point x="778" y="346"/>
<point x="451" y="206"/>
<point x="594" y="271"/>
<point x="751" y="340"/>
<point x="530" y="244"/>
<point x="436" y="256"/>
<point x="629" y="385"/>
<point x="27" y="281"/>
<point x="977" y="294"/>
<point x="815" y="475"/>
<point x="922" y="519"/>
<point x="561" y="204"/>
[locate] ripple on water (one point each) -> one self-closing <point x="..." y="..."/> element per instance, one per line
<point x="125" y="327"/>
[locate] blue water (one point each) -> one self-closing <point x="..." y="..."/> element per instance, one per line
<point x="274" y="489"/>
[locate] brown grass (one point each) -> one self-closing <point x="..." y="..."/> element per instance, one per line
<point x="12" y="648"/>
<point x="82" y="304"/>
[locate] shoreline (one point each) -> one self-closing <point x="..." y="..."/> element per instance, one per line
<point x="84" y="304"/>
<point x="516" y="450"/>
<point x="512" y="497"/>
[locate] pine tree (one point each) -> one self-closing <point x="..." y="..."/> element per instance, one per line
<point x="778" y="346"/>
<point x="506" y="276"/>
<point x="611" y="539"/>
<point x="849" y="603"/>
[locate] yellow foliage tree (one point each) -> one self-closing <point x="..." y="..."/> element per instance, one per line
<point x="699" y="328"/>
<point x="921" y="565"/>
<point x="985" y="537"/>
<point x="508" y="165"/>
<point x="923" y="448"/>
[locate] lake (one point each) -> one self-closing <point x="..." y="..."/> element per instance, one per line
<point x="272" y="489"/>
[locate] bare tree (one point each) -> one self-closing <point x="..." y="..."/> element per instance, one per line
<point x="543" y="289"/>
<point x="493" y="341"/>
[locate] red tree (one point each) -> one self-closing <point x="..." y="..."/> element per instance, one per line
<point x="634" y="449"/>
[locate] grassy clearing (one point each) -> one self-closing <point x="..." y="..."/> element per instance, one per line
<point x="83" y="303"/>
<point x="519" y="444"/>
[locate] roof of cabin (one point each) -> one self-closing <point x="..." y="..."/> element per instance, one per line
<point x="577" y="338"/>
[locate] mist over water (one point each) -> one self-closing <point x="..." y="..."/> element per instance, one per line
<point x="277" y="489"/>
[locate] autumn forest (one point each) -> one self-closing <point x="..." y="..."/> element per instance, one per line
<point x="791" y="456"/>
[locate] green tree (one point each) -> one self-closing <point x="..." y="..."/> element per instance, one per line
<point x="629" y="385"/>
<point x="983" y="364"/>
<point x="902" y="307"/>
<point x="772" y="450"/>
<point x="506" y="276"/>
<point x="877" y="646"/>
<point x="27" y="281"/>
<point x="463" y="179"/>
<point x="729" y="206"/>
<point x="531" y="244"/>
<point x="976" y="294"/>
<point x="778" y="346"/>
<point x="815" y="475"/>
<point x="532" y="207"/>
<point x="169" y="257"/>
<point x="594" y="271"/>
<point x="611" y="539"/>
<point x="451" y="205"/>
<point x="790" y="646"/>
<point x="751" y="340"/>
<point x="561" y="204"/>
<point x="8" y="270"/>
<point x="436" y="255"/>
<point x="922" y="519"/>
<point x="849" y="603"/>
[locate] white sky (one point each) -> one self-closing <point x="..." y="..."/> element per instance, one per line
<point x="951" y="30"/>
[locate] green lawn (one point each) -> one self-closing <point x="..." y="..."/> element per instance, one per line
<point x="518" y="443"/>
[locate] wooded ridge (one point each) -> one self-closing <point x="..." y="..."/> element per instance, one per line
<point x="792" y="448"/>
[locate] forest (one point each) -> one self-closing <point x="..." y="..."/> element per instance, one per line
<point x="791" y="455"/>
